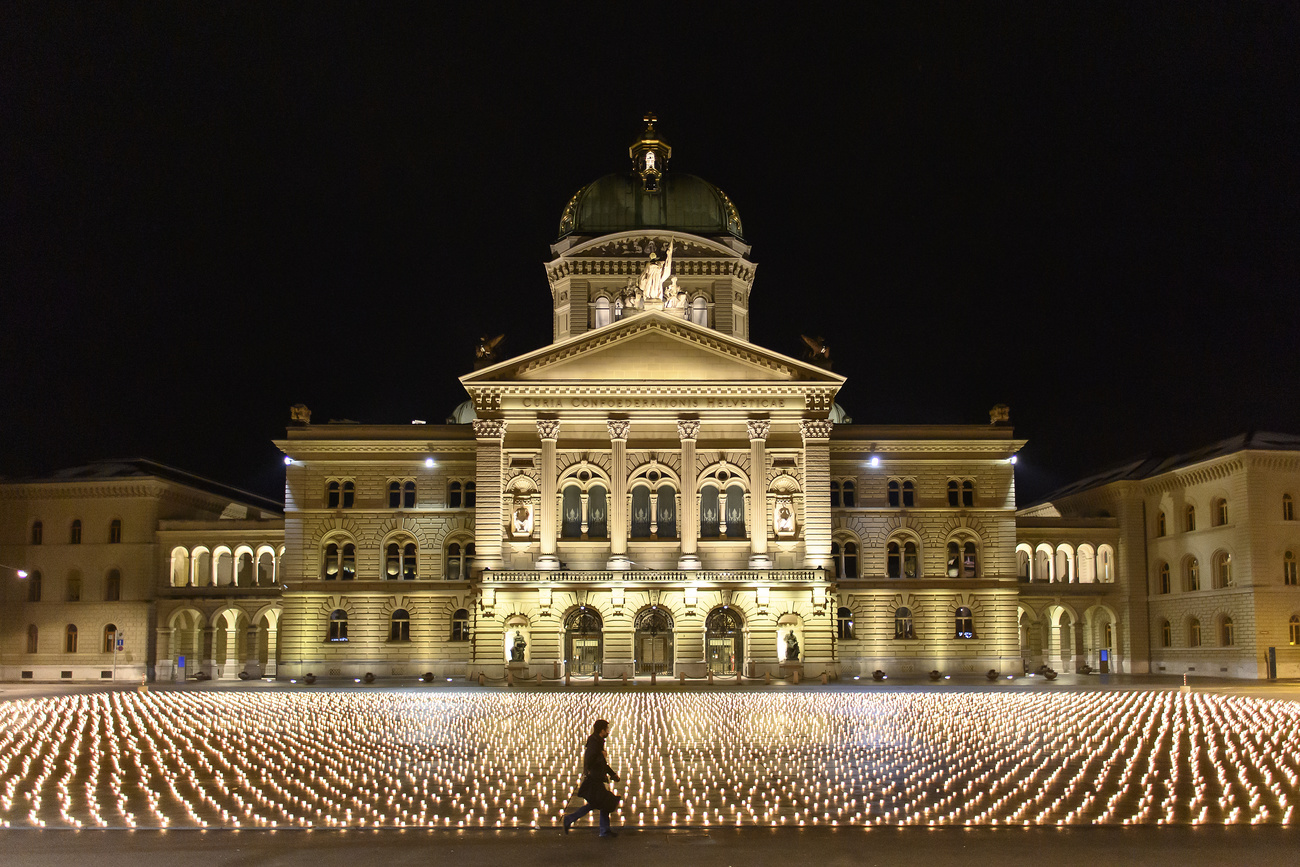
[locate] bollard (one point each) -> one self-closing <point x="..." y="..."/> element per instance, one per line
<point x="625" y="678"/>
<point x="795" y="677"/>
<point x="681" y="678"/>
<point x="539" y="678"/>
<point x="823" y="678"/>
<point x="710" y="677"/>
<point x="481" y="681"/>
<point x="566" y="677"/>
<point x="595" y="678"/>
<point x="652" y="678"/>
<point x="510" y="677"/>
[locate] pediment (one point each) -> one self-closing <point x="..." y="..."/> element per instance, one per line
<point x="653" y="347"/>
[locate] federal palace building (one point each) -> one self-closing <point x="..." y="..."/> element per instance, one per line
<point x="651" y="494"/>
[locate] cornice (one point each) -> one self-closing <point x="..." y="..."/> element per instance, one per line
<point x="88" y="490"/>
<point x="417" y="450"/>
<point x="1197" y="475"/>
<point x="1000" y="448"/>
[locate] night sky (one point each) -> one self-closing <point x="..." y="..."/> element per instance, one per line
<point x="209" y="212"/>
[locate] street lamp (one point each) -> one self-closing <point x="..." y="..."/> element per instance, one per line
<point x="21" y="573"/>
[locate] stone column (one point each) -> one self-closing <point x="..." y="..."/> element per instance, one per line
<point x="230" y="669"/>
<point x="688" y="515"/>
<point x="207" y="665"/>
<point x="618" y="505"/>
<point x="758" y="431"/>
<point x="250" y="652"/>
<point x="166" y="665"/>
<point x="489" y="434"/>
<point x="549" y="431"/>
<point x="816" y="493"/>
<point x="272" y="649"/>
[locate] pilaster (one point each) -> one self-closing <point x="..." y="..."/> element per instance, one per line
<point x="549" y="431"/>
<point x="489" y="434"/>
<point x="817" y="493"/>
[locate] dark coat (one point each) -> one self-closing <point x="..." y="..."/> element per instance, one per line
<point x="595" y="770"/>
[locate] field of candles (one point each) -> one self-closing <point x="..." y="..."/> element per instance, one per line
<point x="474" y="759"/>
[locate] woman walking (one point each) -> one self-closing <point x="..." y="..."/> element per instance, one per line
<point x="595" y="770"/>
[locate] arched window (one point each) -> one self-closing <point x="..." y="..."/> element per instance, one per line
<point x="844" y="624"/>
<point x="1192" y="575"/>
<point x="835" y="494"/>
<point x="471" y="495"/>
<point x="652" y="644"/>
<point x="1022" y="565"/>
<point x="597" y="513"/>
<point x="1194" y="633"/>
<point x="963" y="560"/>
<point x="408" y="495"/>
<point x="954" y="494"/>
<point x="640" y="517"/>
<point x="1189" y="521"/>
<point x="1288" y="569"/>
<point x="1161" y="525"/>
<point x="338" y="625"/>
<point x="1166" y="634"/>
<point x="710" y="513"/>
<point x="601" y="315"/>
<point x="113" y="586"/>
<point x="38" y="532"/>
<point x="1222" y="570"/>
<point x="340" y="494"/>
<point x="1220" y="512"/>
<point x="74" y="533"/>
<point x="893" y="560"/>
<point x="339" y="561"/>
<point x="1288" y="511"/>
<point x="1104" y="575"/>
<point x="1293" y="626"/>
<point x="33" y="634"/>
<point x="459" y="555"/>
<point x="666" y="512"/>
<point x="1164" y="587"/>
<point x="583" y="647"/>
<point x="394" y="494"/>
<point x="903" y="623"/>
<point x="332" y="494"/>
<point x="700" y="311"/>
<point x="1227" y="633"/>
<point x="571" y="513"/>
<point x="850" y="494"/>
<point x="74" y="587"/>
<point x="110" y="638"/>
<point x="453" y="495"/>
<point x="735" y="512"/>
<point x="34" y="586"/>
<point x="401" y="560"/>
<point x="894" y="493"/>
<point x="1108" y="636"/>
<point x="909" y="494"/>
<point x="114" y="532"/>
<point x="850" y="560"/>
<point x="460" y="625"/>
<point x="399" y="625"/>
<point x="724" y="641"/>
<point x="968" y="493"/>
<point x="70" y="639"/>
<point x="965" y="623"/>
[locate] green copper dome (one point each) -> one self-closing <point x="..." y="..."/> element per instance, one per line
<point x="650" y="197"/>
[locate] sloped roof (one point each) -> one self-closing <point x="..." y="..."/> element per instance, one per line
<point x="1153" y="465"/>
<point x="140" y="468"/>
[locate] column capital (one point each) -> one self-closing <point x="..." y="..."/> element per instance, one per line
<point x="758" y="428"/>
<point x="619" y="428"/>
<point x="488" y="428"/>
<point x="816" y="429"/>
<point x="688" y="428"/>
<point x="548" y="428"/>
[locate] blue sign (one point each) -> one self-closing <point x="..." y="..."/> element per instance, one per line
<point x="180" y="661"/>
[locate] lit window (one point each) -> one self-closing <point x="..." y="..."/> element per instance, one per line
<point x="70" y="639"/>
<point x="1161" y="528"/>
<point x="1220" y="512"/>
<point x="1294" y="628"/>
<point x="1288" y="569"/>
<point x="835" y="495"/>
<point x="459" y="555"/>
<point x="844" y="624"/>
<point x="399" y="626"/>
<point x="601" y="314"/>
<point x="1194" y="633"/>
<point x="1189" y="523"/>
<point x="1227" y="633"/>
<point x="1166" y="634"/>
<point x="965" y="623"/>
<point x="33" y="634"/>
<point x="74" y="534"/>
<point x="1164" y="579"/>
<point x="700" y="311"/>
<point x="38" y="532"/>
<point x="113" y="586"/>
<point x="1288" y="510"/>
<point x="338" y="625"/>
<point x="850" y="495"/>
<point x="903" y="623"/>
<point x="1192" y="575"/>
<point x="962" y="560"/>
<point x="460" y="625"/>
<point x="339" y="561"/>
<point x="400" y="561"/>
<point x="110" y="638"/>
<point x="115" y="532"/>
<point x="1222" y="570"/>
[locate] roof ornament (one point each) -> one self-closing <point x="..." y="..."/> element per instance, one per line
<point x="818" y="352"/>
<point x="1000" y="414"/>
<point x="650" y="155"/>
<point x="299" y="414"/>
<point x="485" y="354"/>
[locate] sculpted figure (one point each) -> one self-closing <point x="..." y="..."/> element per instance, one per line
<point x="655" y="275"/>
<point x="791" y="647"/>
<point x="517" y="649"/>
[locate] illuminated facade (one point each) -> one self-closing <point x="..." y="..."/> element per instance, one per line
<point x="650" y="494"/>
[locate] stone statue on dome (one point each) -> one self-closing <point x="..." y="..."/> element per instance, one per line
<point x="655" y="275"/>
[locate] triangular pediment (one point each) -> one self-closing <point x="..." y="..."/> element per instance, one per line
<point x="654" y="346"/>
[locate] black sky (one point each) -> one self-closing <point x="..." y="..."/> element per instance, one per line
<point x="212" y="211"/>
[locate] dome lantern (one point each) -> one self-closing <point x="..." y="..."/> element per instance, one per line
<point x="650" y="155"/>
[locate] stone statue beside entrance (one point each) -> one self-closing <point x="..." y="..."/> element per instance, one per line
<point x="791" y="647"/>
<point x="517" y="647"/>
